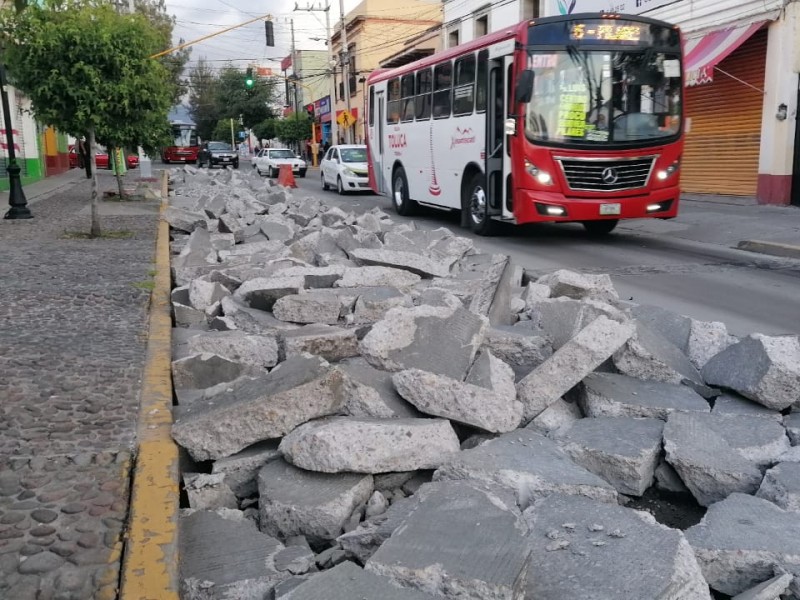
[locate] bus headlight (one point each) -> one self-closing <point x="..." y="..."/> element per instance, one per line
<point x="542" y="177"/>
<point x="665" y="174"/>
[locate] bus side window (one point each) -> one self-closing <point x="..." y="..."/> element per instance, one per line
<point x="423" y="101"/>
<point x="442" y="78"/>
<point x="371" y="105"/>
<point x="480" y="90"/>
<point x="393" y="101"/>
<point x="464" y="85"/>
<point x="407" y="92"/>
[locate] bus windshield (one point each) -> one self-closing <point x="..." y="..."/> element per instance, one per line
<point x="601" y="96"/>
<point x="184" y="137"/>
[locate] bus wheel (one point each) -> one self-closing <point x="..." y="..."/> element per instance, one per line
<point x="477" y="206"/>
<point x="598" y="228"/>
<point x="402" y="203"/>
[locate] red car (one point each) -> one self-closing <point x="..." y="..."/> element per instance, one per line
<point x="101" y="157"/>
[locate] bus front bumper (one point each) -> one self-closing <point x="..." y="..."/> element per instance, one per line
<point x="534" y="206"/>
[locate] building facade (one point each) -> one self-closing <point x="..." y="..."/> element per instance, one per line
<point x="376" y="29"/>
<point x="741" y="71"/>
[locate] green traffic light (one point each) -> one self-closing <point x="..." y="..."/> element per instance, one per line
<point x="249" y="82"/>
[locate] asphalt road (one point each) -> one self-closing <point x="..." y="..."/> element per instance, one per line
<point x="750" y="293"/>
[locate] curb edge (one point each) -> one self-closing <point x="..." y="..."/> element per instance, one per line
<point x="150" y="564"/>
<point x="771" y="248"/>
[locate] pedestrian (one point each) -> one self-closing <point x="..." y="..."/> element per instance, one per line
<point x="85" y="156"/>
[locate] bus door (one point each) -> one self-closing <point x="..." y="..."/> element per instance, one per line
<point x="498" y="159"/>
<point x="378" y="143"/>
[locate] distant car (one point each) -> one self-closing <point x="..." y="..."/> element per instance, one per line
<point x="345" y="167"/>
<point x="219" y="154"/>
<point x="101" y="158"/>
<point x="270" y="160"/>
<point x="255" y="156"/>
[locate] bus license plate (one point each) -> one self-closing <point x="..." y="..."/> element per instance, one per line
<point x="610" y="209"/>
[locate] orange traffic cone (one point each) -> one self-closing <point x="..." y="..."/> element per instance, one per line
<point x="286" y="177"/>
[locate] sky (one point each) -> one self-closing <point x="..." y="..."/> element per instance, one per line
<point x="245" y="45"/>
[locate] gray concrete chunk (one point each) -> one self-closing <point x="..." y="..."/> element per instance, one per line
<point x="310" y="307"/>
<point x="223" y="558"/>
<point x="365" y="445"/>
<point x="758" y="440"/>
<point x="261" y="293"/>
<point x="741" y="540"/>
<point x="527" y="464"/>
<point x="521" y="350"/>
<point x="208" y="491"/>
<point x="571" y="363"/>
<point x="331" y="343"/>
<point x="409" y="261"/>
<point x="252" y="410"/>
<point x="730" y="404"/>
<point x="377" y="276"/>
<point x="241" y="469"/>
<point x="315" y="277"/>
<point x="556" y="416"/>
<point x="369" y="392"/>
<point x="765" y="369"/>
<point x="438" y="339"/>
<point x="492" y="373"/>
<point x="184" y="220"/>
<point x="348" y="582"/>
<point x="792" y="424"/>
<point x="582" y="548"/>
<point x="579" y="285"/>
<point x="769" y="590"/>
<point x="614" y="395"/>
<point x="465" y="403"/>
<point x="238" y="346"/>
<point x="622" y="450"/>
<point x="781" y="486"/>
<point x="204" y="370"/>
<point x="705" y="461"/>
<point x="560" y="319"/>
<point x="374" y="303"/>
<point x="204" y="293"/>
<point x="460" y="542"/>
<point x="316" y="505"/>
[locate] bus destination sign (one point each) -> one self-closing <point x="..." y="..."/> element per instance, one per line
<point x="606" y="32"/>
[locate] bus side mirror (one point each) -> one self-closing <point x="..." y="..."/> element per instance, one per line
<point x="524" y="88"/>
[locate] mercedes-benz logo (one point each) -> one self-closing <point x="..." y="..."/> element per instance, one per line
<point x="609" y="175"/>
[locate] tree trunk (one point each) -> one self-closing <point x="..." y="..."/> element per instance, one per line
<point x="95" y="230"/>
<point x="117" y="172"/>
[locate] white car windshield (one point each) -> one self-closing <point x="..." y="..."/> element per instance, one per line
<point x="354" y="155"/>
<point x="281" y="154"/>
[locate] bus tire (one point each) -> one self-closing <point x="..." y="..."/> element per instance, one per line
<point x="403" y="205"/>
<point x="600" y="228"/>
<point x="476" y="205"/>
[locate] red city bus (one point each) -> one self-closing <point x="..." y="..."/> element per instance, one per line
<point x="575" y="118"/>
<point x="185" y="145"/>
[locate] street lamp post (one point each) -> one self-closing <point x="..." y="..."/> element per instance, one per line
<point x="16" y="197"/>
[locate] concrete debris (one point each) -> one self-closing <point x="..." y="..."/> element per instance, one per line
<point x="296" y="559"/>
<point x="792" y="424"/>
<point x="729" y="404"/>
<point x="668" y="480"/>
<point x="208" y="491"/>
<point x="377" y="277"/>
<point x="237" y="346"/>
<point x="519" y="349"/>
<point x="184" y="220"/>
<point x="558" y="415"/>
<point x="262" y="293"/>
<point x="241" y="469"/>
<point x="758" y="440"/>
<point x="582" y="548"/>
<point x="423" y="266"/>
<point x="742" y="540"/>
<point x="765" y="369"/>
<point x="369" y="392"/>
<point x="560" y="319"/>
<point x="772" y="589"/>
<point x="204" y="370"/>
<point x="781" y="486"/>
<point x="474" y="405"/>
<point x="376" y="505"/>
<point x="365" y="445"/>
<point x="204" y="293"/>
<point x="317" y="505"/>
<point x="579" y="285"/>
<point x="331" y="343"/>
<point x="348" y="582"/>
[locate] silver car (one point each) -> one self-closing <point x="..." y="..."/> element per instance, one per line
<point x="269" y="161"/>
<point x="345" y="167"/>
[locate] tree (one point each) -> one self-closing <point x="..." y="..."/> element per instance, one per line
<point x="222" y="131"/>
<point x="174" y="62"/>
<point x="294" y="128"/>
<point x="266" y="130"/>
<point x="202" y="105"/>
<point x="86" y="70"/>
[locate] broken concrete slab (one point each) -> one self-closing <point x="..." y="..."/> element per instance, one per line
<point x="183" y="220"/>
<point x="792" y="424"/>
<point x="237" y="346"/>
<point x="331" y="343"/>
<point x="249" y="320"/>
<point x="465" y="403"/>
<point x="423" y="266"/>
<point x="527" y="464"/>
<point x="252" y="410"/>
<point x="668" y="480"/>
<point x="571" y="363"/>
<point x="765" y="369"/>
<point x="369" y="392"/>
<point x="223" y="558"/>
<point x="204" y="293"/>
<point x="615" y="395"/>
<point x="758" y="440"/>
<point x="368" y="445"/>
<point x="649" y="355"/>
<point x="741" y="540"/>
<point x="781" y="486"/>
<point x="492" y="373"/>
<point x="579" y="285"/>
<point x="624" y="451"/>
<point x="428" y="552"/>
<point x="771" y="589"/>
<point x="372" y="305"/>
<point x="308" y="307"/>
<point x="204" y="370"/>
<point x="582" y="548"/>
<point x="729" y="404"/>
<point x="438" y="339"/>
<point x="377" y="277"/>
<point x="317" y="505"/>
<point x="520" y="349"/>
<point x="296" y="559"/>
<point x="556" y="416"/>
<point x="261" y="293"/>
<point x="708" y="465"/>
<point x="314" y="277"/>
<point x="240" y="470"/>
<point x="347" y="581"/>
<point x="208" y="491"/>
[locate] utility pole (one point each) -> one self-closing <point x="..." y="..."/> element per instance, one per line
<point x="18" y="204"/>
<point x="331" y="64"/>
<point x="344" y="56"/>
<point x="294" y="70"/>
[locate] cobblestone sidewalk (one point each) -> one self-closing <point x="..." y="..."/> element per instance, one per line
<point x="73" y="317"/>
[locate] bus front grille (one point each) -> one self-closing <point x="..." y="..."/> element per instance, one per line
<point x="606" y="175"/>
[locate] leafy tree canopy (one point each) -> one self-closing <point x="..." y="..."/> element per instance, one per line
<point x="295" y="128"/>
<point x="222" y="131"/>
<point x="266" y="130"/>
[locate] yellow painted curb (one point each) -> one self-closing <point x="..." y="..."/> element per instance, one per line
<point x="150" y="564"/>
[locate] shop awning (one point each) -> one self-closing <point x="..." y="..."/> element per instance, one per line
<point x="704" y="52"/>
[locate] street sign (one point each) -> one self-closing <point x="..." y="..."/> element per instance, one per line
<point x="345" y="119"/>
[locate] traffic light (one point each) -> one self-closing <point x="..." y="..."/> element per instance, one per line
<point x="270" y="33"/>
<point x="249" y="81"/>
<point x="310" y="111"/>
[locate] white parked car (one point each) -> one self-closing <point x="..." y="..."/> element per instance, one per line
<point x="345" y="167"/>
<point x="269" y="161"/>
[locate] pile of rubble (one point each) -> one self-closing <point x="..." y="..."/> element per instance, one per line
<point x="374" y="410"/>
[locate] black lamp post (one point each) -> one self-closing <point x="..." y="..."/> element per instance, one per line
<point x="16" y="197"/>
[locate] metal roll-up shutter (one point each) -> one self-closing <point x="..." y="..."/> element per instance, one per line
<point x="722" y="149"/>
